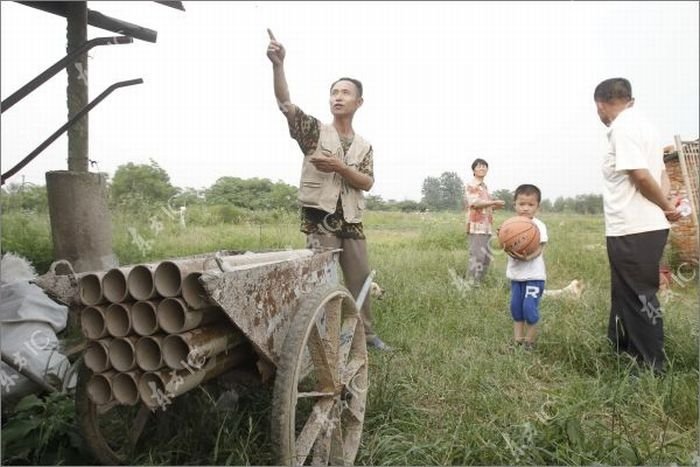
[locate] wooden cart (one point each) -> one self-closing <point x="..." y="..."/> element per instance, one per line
<point x="303" y="334"/>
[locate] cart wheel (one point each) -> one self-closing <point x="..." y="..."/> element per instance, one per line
<point x="111" y="431"/>
<point x="321" y="384"/>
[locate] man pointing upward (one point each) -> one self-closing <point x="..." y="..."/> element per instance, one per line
<point x="337" y="168"/>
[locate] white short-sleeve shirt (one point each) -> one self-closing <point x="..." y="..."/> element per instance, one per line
<point x="533" y="270"/>
<point x="632" y="144"/>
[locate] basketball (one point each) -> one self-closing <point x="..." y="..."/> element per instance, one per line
<point x="520" y="235"/>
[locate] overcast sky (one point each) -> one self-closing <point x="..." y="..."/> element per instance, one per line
<point x="444" y="83"/>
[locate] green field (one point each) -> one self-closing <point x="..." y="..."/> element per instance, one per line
<point x="455" y="391"/>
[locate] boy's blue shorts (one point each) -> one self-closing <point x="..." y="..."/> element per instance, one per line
<point x="525" y="300"/>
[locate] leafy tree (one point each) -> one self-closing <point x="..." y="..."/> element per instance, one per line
<point x="409" y="206"/>
<point x="238" y="192"/>
<point x="505" y="195"/>
<point x="445" y="192"/>
<point x="559" y="204"/>
<point x="24" y="197"/>
<point x="253" y="193"/>
<point x="188" y="197"/>
<point x="588" y="204"/>
<point x="431" y="192"/>
<point x="284" y="196"/>
<point x="546" y="205"/>
<point x="136" y="184"/>
<point x="375" y="203"/>
<point x="452" y="191"/>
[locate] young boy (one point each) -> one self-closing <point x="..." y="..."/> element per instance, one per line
<point x="527" y="273"/>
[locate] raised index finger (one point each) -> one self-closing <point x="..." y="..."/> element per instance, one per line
<point x="272" y="36"/>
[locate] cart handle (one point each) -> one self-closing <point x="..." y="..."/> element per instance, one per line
<point x="364" y="291"/>
<point x="64" y="262"/>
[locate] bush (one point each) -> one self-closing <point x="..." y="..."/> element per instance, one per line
<point x="26" y="197"/>
<point x="228" y="214"/>
<point x="42" y="432"/>
<point x="29" y="235"/>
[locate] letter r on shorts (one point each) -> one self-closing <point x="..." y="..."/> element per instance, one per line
<point x="532" y="291"/>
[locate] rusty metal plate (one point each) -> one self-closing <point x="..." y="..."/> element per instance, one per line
<point x="262" y="299"/>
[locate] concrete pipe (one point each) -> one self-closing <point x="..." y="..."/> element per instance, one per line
<point x="174" y="316"/>
<point x="196" y="346"/>
<point x="143" y="317"/>
<point x="122" y="353"/>
<point x="118" y="319"/>
<point x="149" y="354"/>
<point x="125" y="387"/>
<point x="157" y="388"/>
<point x="140" y="282"/>
<point x="99" y="387"/>
<point x="92" y="322"/>
<point x="193" y="292"/>
<point x="215" y="366"/>
<point x="152" y="389"/>
<point x="97" y="355"/>
<point x="169" y="275"/>
<point x="90" y="285"/>
<point x="114" y="285"/>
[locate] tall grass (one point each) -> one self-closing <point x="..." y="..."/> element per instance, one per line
<point x="456" y="391"/>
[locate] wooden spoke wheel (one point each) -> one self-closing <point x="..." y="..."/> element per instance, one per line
<point x="111" y="431"/>
<point x="320" y="391"/>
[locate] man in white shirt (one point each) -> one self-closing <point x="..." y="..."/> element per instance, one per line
<point x="637" y="216"/>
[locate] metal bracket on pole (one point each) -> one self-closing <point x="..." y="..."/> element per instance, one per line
<point x="44" y="76"/>
<point x="65" y="127"/>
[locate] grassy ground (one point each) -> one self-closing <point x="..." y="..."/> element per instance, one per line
<point x="455" y="391"/>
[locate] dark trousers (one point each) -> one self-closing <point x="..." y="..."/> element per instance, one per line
<point x="636" y="325"/>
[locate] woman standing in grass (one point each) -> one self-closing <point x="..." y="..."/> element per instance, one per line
<point x="480" y="206"/>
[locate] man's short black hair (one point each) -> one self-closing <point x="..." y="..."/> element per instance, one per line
<point x="613" y="88"/>
<point x="354" y="81"/>
<point x="528" y="190"/>
<point x="478" y="161"/>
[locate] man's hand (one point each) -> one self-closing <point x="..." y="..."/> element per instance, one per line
<point x="498" y="203"/>
<point x="275" y="50"/>
<point x="671" y="212"/>
<point x="327" y="163"/>
<point x="276" y="53"/>
<point x="646" y="184"/>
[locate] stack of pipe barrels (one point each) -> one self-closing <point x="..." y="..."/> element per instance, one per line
<point x="153" y="334"/>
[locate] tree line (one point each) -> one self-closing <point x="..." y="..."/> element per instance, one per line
<point x="137" y="185"/>
<point x="446" y="192"/>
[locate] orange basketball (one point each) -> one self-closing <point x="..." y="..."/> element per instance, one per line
<point x="520" y="235"/>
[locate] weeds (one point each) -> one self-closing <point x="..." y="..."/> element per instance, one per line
<point x="455" y="391"/>
<point x="42" y="431"/>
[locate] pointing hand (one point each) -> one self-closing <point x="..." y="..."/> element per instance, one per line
<point x="275" y="50"/>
